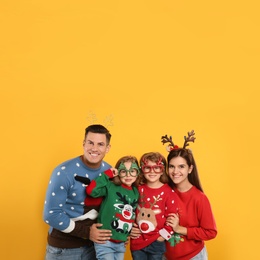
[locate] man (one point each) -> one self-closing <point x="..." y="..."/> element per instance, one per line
<point x="69" y="213"/>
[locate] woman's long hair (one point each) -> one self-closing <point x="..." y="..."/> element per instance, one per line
<point x="186" y="154"/>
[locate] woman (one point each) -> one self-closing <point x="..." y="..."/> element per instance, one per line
<point x="194" y="223"/>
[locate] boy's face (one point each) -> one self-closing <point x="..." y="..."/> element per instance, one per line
<point x="95" y="148"/>
<point x="152" y="171"/>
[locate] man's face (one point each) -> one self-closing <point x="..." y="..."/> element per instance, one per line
<point x="95" y="148"/>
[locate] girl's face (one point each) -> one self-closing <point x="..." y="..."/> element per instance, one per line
<point x="128" y="175"/>
<point x="178" y="170"/>
<point x="154" y="173"/>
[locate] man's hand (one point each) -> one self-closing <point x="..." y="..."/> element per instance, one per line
<point x="99" y="236"/>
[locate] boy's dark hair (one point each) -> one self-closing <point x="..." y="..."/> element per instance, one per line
<point x="98" y="129"/>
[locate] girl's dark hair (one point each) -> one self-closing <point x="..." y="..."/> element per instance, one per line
<point x="186" y="154"/>
<point x="154" y="157"/>
<point x="124" y="159"/>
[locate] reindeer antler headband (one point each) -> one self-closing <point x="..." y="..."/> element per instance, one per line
<point x="172" y="146"/>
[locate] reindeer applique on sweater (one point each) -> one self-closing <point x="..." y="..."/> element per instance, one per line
<point x="117" y="210"/>
<point x="125" y="219"/>
<point x="146" y="218"/>
<point x="152" y="210"/>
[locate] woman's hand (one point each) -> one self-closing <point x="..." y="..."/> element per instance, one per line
<point x="173" y="220"/>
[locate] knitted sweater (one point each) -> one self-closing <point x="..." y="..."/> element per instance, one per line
<point x="153" y="208"/>
<point x="64" y="210"/>
<point x="195" y="214"/>
<point x="117" y="211"/>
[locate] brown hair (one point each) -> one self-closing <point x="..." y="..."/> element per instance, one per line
<point x="186" y="154"/>
<point x="154" y="157"/>
<point x="124" y="159"/>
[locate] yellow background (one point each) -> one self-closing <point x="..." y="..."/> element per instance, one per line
<point x="148" y="67"/>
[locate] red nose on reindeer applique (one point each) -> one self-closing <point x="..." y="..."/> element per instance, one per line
<point x="146" y="219"/>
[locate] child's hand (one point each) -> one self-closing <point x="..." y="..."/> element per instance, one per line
<point x="115" y="172"/>
<point x="127" y="241"/>
<point x="160" y="239"/>
<point x="135" y="231"/>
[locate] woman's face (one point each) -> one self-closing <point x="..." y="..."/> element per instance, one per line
<point x="178" y="170"/>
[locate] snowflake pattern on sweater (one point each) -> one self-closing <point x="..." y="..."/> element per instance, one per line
<point x="64" y="204"/>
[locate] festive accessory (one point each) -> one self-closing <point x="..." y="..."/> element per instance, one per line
<point x="158" y="168"/>
<point x="172" y="146"/>
<point x="107" y="121"/>
<point x="133" y="171"/>
<point x="155" y="168"/>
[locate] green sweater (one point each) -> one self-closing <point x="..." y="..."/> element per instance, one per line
<point x="117" y="211"/>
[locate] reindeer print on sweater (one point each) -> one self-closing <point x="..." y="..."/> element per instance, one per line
<point x="153" y="208"/>
<point x="119" y="202"/>
<point x="124" y="220"/>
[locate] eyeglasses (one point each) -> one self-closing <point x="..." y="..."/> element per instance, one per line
<point x="155" y="168"/>
<point x="132" y="172"/>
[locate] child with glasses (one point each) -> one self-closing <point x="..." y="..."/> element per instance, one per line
<point x="157" y="200"/>
<point x="118" y="188"/>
